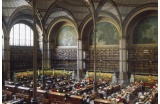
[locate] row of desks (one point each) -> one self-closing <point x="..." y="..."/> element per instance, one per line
<point x="24" y="92"/>
<point x="52" y="97"/>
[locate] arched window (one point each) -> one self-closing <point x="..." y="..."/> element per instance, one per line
<point x="21" y="35"/>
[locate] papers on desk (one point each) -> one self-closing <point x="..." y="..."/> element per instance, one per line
<point x="12" y="101"/>
<point x="139" y="102"/>
<point x="142" y="97"/>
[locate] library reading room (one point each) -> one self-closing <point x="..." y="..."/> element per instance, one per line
<point x="79" y="52"/>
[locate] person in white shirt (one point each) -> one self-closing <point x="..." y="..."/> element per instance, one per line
<point x="140" y="94"/>
<point x="91" y="101"/>
<point x="127" y="97"/>
<point x="104" y="94"/>
<point x="148" y="102"/>
<point x="88" y="99"/>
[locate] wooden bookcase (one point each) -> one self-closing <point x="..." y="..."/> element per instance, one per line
<point x="22" y="58"/>
<point x="64" y="58"/>
<point x="143" y="59"/>
<point x="107" y="59"/>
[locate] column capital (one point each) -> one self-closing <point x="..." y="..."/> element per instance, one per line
<point x="7" y="28"/>
<point x="6" y="38"/>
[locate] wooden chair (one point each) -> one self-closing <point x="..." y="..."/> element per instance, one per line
<point x="8" y="93"/>
<point x="44" y="101"/>
<point x="27" y="98"/>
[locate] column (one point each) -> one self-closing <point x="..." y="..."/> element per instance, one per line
<point x="35" y="37"/>
<point x="43" y="68"/>
<point x="95" y="67"/>
<point x="3" y="79"/>
<point x="44" y="58"/>
<point x="48" y="54"/>
<point x="84" y="62"/>
<point x="123" y="76"/>
<point x="45" y="50"/>
<point x="6" y="56"/>
<point x="79" y="60"/>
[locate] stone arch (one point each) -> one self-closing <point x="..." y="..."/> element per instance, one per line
<point x="103" y="3"/>
<point x="26" y="18"/>
<point x="23" y="7"/>
<point x="52" y="9"/>
<point x="87" y="26"/>
<point x="27" y="10"/>
<point x="57" y="23"/>
<point x="106" y="34"/>
<point x="137" y="12"/>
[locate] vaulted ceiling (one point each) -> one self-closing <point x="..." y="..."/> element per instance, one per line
<point x="77" y="10"/>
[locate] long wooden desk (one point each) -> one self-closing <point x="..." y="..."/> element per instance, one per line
<point x="98" y="101"/>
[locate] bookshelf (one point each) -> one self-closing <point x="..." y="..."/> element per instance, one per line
<point x="64" y="58"/>
<point x="143" y="59"/>
<point x="107" y="59"/>
<point x="22" y="58"/>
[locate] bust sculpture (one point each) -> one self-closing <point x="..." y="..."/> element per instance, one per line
<point x="132" y="79"/>
<point x="87" y="75"/>
<point x="73" y="75"/>
<point x="114" y="78"/>
<point x="53" y="72"/>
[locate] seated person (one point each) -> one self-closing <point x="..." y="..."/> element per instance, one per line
<point x="4" y="97"/>
<point x="140" y="94"/>
<point x="135" y="100"/>
<point x="127" y="97"/>
<point x="148" y="102"/>
<point x="109" y="98"/>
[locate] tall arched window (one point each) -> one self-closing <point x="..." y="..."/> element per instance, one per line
<point x="21" y="35"/>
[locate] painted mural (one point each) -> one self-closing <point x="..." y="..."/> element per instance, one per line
<point x="146" y="32"/>
<point x="106" y="34"/>
<point x="67" y="36"/>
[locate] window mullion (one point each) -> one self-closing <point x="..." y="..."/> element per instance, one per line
<point x="30" y="37"/>
<point x="25" y="36"/>
<point x="13" y="35"/>
<point x="19" y="34"/>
